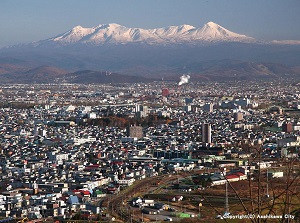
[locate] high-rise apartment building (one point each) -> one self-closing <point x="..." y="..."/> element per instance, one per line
<point x="287" y="127"/>
<point x="206" y="133"/>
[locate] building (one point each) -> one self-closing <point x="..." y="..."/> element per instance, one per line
<point x="165" y="92"/>
<point x="55" y="157"/>
<point x="135" y="132"/>
<point x="287" y="127"/>
<point x="187" y="108"/>
<point x="206" y="133"/>
<point x="275" y="110"/>
<point x="208" y="107"/>
<point x="238" y="116"/>
<point x="141" y="108"/>
<point x="243" y="102"/>
<point x="141" y="111"/>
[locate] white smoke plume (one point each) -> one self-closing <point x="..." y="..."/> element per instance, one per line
<point x="184" y="79"/>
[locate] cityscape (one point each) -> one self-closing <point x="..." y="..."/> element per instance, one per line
<point x="150" y="152"/>
<point x="149" y="111"/>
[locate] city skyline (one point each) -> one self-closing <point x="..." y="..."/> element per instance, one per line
<point x="33" y="20"/>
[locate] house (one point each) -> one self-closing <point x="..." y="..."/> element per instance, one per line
<point x="127" y="181"/>
<point x="85" y="193"/>
<point x="73" y="200"/>
<point x="148" y="202"/>
<point x="177" y="198"/>
<point x="161" y="206"/>
<point x="98" y="193"/>
<point x="150" y="211"/>
<point x="137" y="201"/>
<point x="237" y="176"/>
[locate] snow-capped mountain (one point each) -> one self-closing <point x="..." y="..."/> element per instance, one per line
<point x="161" y="51"/>
<point x="118" y="34"/>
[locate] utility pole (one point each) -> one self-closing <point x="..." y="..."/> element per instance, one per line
<point x="226" y="198"/>
<point x="200" y="205"/>
<point x="268" y="182"/>
<point x="259" y="183"/>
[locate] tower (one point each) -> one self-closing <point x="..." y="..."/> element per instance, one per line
<point x="206" y="133"/>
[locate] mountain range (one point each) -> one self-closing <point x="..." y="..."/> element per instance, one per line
<point x="118" y="34"/>
<point x="210" y="52"/>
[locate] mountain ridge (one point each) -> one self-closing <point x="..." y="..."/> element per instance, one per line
<point x="204" y="71"/>
<point x="113" y="33"/>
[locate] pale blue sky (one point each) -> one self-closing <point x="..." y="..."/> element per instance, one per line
<point x="24" y="21"/>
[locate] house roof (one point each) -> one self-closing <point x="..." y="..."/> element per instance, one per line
<point x="73" y="200"/>
<point x="235" y="175"/>
<point x="86" y="192"/>
<point x="232" y="176"/>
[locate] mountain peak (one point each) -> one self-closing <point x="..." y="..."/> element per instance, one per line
<point x="114" y="25"/>
<point x="214" y="32"/>
<point x="214" y="26"/>
<point x="108" y="25"/>
<point x="77" y="27"/>
<point x="211" y="24"/>
<point x="186" y="27"/>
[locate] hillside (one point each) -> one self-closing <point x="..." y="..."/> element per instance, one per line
<point x="101" y="77"/>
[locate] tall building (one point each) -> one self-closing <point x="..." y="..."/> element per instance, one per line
<point x="238" y="116"/>
<point x="206" y="133"/>
<point x="209" y="107"/>
<point x="287" y="127"/>
<point x="143" y="108"/>
<point x="135" y="132"/>
<point x="141" y="111"/>
<point x="187" y="108"/>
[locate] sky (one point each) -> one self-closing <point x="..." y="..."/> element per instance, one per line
<point x="23" y="21"/>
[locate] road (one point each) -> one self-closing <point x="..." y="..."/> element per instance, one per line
<point x="119" y="208"/>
